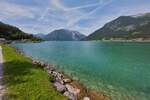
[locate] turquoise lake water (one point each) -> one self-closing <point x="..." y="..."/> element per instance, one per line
<point x="121" y="70"/>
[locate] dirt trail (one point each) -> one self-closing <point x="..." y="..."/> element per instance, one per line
<point x="2" y="89"/>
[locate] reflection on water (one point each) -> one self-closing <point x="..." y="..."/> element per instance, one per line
<point x="122" y="70"/>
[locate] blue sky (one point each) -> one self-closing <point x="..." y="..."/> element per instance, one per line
<point x="85" y="16"/>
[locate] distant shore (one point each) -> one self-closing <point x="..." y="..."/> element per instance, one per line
<point x="132" y="40"/>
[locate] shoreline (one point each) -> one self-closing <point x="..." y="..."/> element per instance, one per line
<point x="65" y="84"/>
<point x="126" y="41"/>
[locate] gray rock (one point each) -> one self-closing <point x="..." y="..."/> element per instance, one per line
<point x="34" y="62"/>
<point x="70" y="96"/>
<point x="50" y="67"/>
<point x="42" y="63"/>
<point x="54" y="73"/>
<point x="59" y="80"/>
<point x="50" y="72"/>
<point x="59" y="75"/>
<point x="67" y="80"/>
<point x="73" y="90"/>
<point x="60" y="87"/>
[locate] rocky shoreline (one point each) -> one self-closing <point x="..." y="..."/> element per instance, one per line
<point x="64" y="84"/>
<point x="69" y="87"/>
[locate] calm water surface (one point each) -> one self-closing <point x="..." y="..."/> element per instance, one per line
<point x="121" y="70"/>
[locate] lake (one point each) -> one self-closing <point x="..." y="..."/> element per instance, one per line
<point x="119" y="69"/>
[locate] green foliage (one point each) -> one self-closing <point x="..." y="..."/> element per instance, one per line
<point x="25" y="81"/>
<point x="125" y="27"/>
<point x="13" y="33"/>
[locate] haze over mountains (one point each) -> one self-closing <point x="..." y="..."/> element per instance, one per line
<point x="125" y="27"/>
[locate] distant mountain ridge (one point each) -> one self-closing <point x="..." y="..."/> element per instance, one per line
<point x="126" y="27"/>
<point x="39" y="35"/>
<point x="64" y="35"/>
<point x="10" y="32"/>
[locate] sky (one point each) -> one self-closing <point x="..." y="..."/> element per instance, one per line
<point x="85" y="16"/>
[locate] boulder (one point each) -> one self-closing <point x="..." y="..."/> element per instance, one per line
<point x="59" y="80"/>
<point x="67" y="80"/>
<point x="50" y="67"/>
<point x="73" y="90"/>
<point x="70" y="96"/>
<point x="34" y="62"/>
<point x="59" y="75"/>
<point x="42" y="63"/>
<point x="86" y="98"/>
<point x="54" y="73"/>
<point x="50" y="72"/>
<point x="60" y="87"/>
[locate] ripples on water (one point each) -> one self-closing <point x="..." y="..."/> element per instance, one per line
<point x="121" y="70"/>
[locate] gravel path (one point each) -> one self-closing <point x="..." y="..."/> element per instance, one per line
<point x="1" y="75"/>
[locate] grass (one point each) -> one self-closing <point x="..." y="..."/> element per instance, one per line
<point x="25" y="81"/>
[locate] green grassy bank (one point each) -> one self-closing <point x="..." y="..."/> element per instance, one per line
<point x="25" y="81"/>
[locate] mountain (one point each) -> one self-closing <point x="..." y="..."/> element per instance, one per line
<point x="64" y="35"/>
<point x="40" y="35"/>
<point x="124" y="27"/>
<point x="10" y="32"/>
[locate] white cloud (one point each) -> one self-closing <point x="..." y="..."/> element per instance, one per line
<point x="56" y="14"/>
<point x="10" y="10"/>
<point x="59" y="5"/>
<point x="70" y="15"/>
<point x="88" y="15"/>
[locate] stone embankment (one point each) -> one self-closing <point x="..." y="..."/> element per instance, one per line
<point x="70" y="88"/>
<point x="61" y="82"/>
